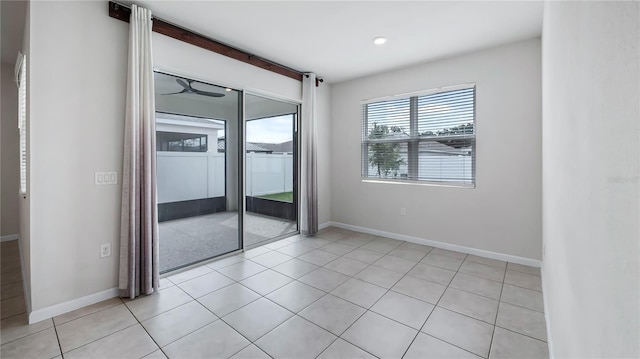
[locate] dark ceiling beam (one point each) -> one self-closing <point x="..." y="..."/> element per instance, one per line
<point x="122" y="12"/>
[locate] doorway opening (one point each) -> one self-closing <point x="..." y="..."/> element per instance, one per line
<point x="198" y="127"/>
<point x="271" y="167"/>
<point x="226" y="170"/>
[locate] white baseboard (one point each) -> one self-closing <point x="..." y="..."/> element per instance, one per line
<point x="324" y="225"/>
<point x="8" y="237"/>
<point x="61" y="308"/>
<point x="442" y="245"/>
<point x="546" y="315"/>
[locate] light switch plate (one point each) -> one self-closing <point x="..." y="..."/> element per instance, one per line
<point x="104" y="178"/>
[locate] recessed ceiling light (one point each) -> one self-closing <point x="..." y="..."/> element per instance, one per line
<point x="379" y="40"/>
<point x="228" y="89"/>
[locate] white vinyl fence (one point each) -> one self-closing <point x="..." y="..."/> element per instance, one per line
<point x="436" y="168"/>
<point x="269" y="173"/>
<point x="186" y="176"/>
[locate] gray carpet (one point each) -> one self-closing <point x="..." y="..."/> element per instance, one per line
<point x="190" y="240"/>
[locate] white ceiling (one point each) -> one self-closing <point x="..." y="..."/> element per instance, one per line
<point x="224" y="108"/>
<point x="333" y="38"/>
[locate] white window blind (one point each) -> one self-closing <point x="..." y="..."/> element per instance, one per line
<point x="22" y="120"/>
<point x="428" y="137"/>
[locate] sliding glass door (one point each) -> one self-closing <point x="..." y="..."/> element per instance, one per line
<point x="198" y="129"/>
<point x="227" y="178"/>
<point x="270" y="169"/>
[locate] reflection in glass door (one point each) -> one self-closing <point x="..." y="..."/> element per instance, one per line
<point x="270" y="169"/>
<point x="198" y="131"/>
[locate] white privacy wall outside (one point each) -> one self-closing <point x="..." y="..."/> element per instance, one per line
<point x="591" y="182"/>
<point x="184" y="176"/>
<point x="503" y="213"/>
<point x="268" y="173"/>
<point x="437" y="168"/>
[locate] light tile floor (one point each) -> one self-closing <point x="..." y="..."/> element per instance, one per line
<point x="11" y="294"/>
<point x="341" y="294"/>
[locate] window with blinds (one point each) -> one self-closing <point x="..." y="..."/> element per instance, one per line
<point x="22" y="121"/>
<point x="428" y="137"/>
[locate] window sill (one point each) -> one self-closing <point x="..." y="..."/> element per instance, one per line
<point x="419" y="183"/>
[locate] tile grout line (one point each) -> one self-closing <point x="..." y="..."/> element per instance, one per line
<point x="465" y="315"/>
<point x="117" y="331"/>
<point x="505" y="273"/>
<point x="23" y="301"/>
<point x="389" y="290"/>
<point x="366" y="309"/>
<point x="181" y="305"/>
<point x="374" y="303"/>
<point x="428" y="316"/>
<point x="219" y="317"/>
<point x="15" y="296"/>
<point x="524" y="335"/>
<point x="84" y="315"/>
<point x="97" y="339"/>
<point x="338" y="257"/>
<point x="253" y="341"/>
<point x="296" y="314"/>
<point x="434" y="308"/>
<point x="15" y="315"/>
<point x="146" y="331"/>
<point x="264" y="296"/>
<point x="493" y="332"/>
<point x="407" y="274"/>
<point x="39" y="331"/>
<point x="261" y="296"/>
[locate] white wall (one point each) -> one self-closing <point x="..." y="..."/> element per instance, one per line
<point x="77" y="110"/>
<point x="76" y="121"/>
<point x="10" y="142"/>
<point x="503" y="213"/>
<point x="591" y="181"/>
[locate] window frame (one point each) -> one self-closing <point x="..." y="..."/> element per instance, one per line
<point x="414" y="139"/>
<point x="161" y="140"/>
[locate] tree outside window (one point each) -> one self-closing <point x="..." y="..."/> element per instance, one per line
<point x="385" y="157"/>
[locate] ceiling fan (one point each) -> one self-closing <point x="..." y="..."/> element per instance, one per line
<point x="188" y="89"/>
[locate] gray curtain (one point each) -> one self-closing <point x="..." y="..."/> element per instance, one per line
<point x="309" y="182"/>
<point x="139" y="217"/>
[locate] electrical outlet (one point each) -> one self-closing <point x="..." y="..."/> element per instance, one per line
<point x="403" y="211"/>
<point x="105" y="250"/>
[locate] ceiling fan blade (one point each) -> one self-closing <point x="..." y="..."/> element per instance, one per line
<point x="175" y="93"/>
<point x="206" y="93"/>
<point x="187" y="86"/>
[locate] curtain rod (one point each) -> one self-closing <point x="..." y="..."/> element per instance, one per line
<point x="123" y="12"/>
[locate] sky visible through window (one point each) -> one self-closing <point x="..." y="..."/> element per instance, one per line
<point x="277" y="129"/>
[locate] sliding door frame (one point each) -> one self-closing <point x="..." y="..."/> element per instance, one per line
<point x="242" y="159"/>
<point x="296" y="164"/>
<point x="240" y="172"/>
